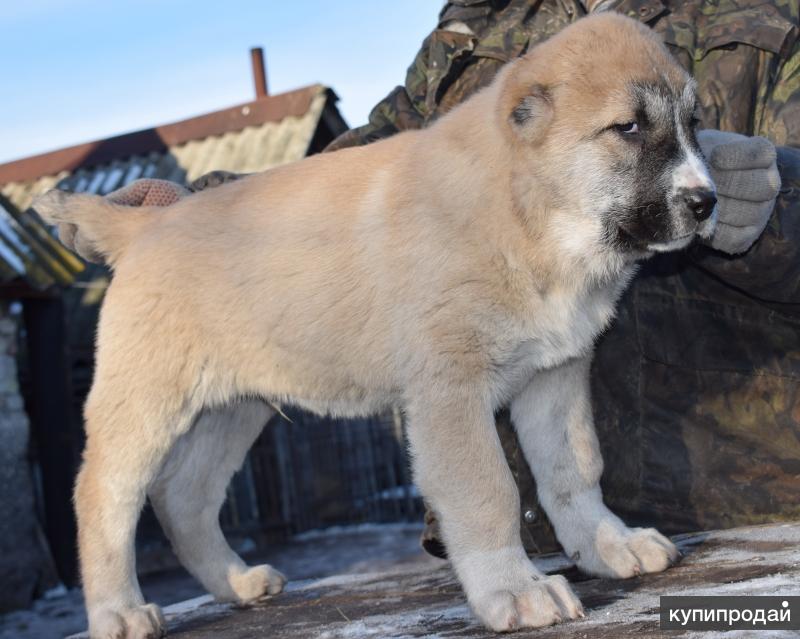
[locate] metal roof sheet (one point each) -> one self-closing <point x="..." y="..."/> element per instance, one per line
<point x="267" y="135"/>
<point x="30" y="252"/>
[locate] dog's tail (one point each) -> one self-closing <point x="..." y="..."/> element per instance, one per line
<point x="90" y="225"/>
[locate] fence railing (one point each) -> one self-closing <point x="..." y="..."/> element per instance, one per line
<point x="312" y="472"/>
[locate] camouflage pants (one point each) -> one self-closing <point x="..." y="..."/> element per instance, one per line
<point x="696" y="390"/>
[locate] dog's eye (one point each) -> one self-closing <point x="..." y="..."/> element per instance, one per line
<point x="627" y="128"/>
<point x="694" y="122"/>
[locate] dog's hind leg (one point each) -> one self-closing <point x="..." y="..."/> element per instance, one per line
<point x="190" y="489"/>
<point x="151" y="380"/>
<point x="131" y="425"/>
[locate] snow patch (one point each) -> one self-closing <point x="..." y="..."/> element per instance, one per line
<point x="336" y="531"/>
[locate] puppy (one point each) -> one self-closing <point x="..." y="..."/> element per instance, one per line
<point x="451" y="271"/>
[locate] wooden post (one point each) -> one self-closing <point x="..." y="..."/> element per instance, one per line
<point x="50" y="407"/>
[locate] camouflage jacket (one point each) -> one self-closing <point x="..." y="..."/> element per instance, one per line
<point x="698" y="404"/>
<point x="744" y="54"/>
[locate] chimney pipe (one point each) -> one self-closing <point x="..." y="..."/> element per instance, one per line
<point x="259" y="72"/>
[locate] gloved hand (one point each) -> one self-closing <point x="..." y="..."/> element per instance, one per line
<point x="215" y="178"/>
<point x="746" y="174"/>
<point x="146" y="192"/>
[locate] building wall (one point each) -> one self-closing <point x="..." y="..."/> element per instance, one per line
<point x="25" y="565"/>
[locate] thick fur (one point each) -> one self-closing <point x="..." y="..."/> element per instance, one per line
<point x="451" y="271"/>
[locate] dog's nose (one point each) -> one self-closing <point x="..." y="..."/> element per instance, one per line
<point x="700" y="202"/>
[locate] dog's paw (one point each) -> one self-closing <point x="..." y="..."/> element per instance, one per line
<point x="653" y="550"/>
<point x="627" y="553"/>
<point x="535" y="604"/>
<point x="256" y="583"/>
<point x="140" y="622"/>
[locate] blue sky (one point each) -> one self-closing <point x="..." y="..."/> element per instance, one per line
<point x="78" y="70"/>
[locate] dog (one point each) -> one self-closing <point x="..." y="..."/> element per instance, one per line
<point x="451" y="271"/>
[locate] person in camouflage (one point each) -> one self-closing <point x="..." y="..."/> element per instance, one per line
<point x="696" y="386"/>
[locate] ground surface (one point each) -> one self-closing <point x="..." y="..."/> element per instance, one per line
<point x="353" y="550"/>
<point x="425" y="601"/>
<point x="379" y="585"/>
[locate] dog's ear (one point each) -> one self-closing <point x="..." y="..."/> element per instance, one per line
<point x="531" y="115"/>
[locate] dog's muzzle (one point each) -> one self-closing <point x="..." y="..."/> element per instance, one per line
<point x="698" y="203"/>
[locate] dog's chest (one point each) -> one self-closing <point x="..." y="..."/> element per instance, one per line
<point x="561" y="326"/>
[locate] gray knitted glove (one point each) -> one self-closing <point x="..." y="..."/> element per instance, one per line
<point x="746" y="174"/>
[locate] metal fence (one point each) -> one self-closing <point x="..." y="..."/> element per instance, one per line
<point x="308" y="472"/>
<point x="311" y="472"/>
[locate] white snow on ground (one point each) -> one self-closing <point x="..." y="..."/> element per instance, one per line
<point x="55" y="593"/>
<point x="347" y="551"/>
<point x="404" y="625"/>
<point x="400" y="492"/>
<point x="373" y="529"/>
<point x="546" y="563"/>
<point x="636" y="606"/>
<point x="774" y="585"/>
<point x="742" y="634"/>
<point x="377" y="558"/>
<point x="190" y="605"/>
<point x="51" y="618"/>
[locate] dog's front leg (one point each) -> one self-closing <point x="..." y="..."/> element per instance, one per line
<point x="460" y="468"/>
<point x="553" y="419"/>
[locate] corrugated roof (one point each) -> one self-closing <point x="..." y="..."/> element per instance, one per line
<point x="255" y="136"/>
<point x="28" y="250"/>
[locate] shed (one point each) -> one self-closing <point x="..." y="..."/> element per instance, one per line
<point x="253" y="136"/>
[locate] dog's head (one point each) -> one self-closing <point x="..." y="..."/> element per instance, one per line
<point x="603" y="123"/>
